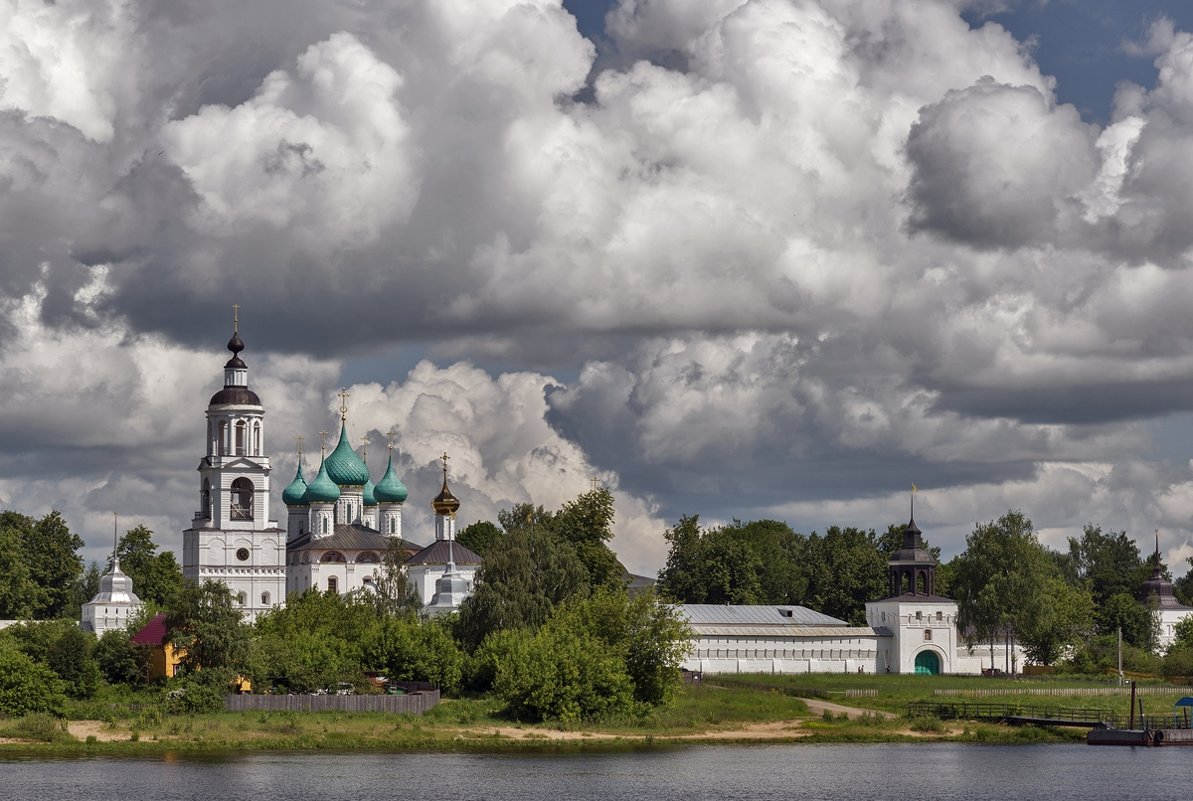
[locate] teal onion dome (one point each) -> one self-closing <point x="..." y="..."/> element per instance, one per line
<point x="390" y="488"/>
<point x="368" y="493"/>
<point x="296" y="493"/>
<point x="344" y="466"/>
<point x="323" y="489"/>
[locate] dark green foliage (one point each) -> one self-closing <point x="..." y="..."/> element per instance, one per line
<point x="1139" y="623"/>
<point x="49" y="566"/>
<point x="520" y="584"/>
<point x="17" y="590"/>
<point x="313" y="643"/>
<point x="714" y="566"/>
<point x="157" y="577"/>
<point x="557" y="673"/>
<point x="1005" y="583"/>
<point x="480" y="537"/>
<point x="120" y="660"/>
<point x="190" y="696"/>
<point x="27" y="686"/>
<point x="1178" y="662"/>
<point x="71" y="656"/>
<point x="845" y="569"/>
<point x="587" y="523"/>
<point x="203" y="620"/>
<point x="1100" y="655"/>
<point x="51" y="551"/>
<point x="1108" y="564"/>
<point x="413" y="650"/>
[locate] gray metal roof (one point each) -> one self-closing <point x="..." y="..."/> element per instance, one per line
<point x="756" y="615"/>
<point x="437" y="554"/>
<point x="348" y="537"/>
<point x="845" y="632"/>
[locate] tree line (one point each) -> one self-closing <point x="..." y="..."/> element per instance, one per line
<point x="549" y="630"/>
<point x="1061" y="606"/>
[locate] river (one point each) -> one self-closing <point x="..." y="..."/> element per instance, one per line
<point x="932" y="772"/>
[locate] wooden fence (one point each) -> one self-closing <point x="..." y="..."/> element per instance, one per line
<point x="410" y="704"/>
<point x="1072" y="692"/>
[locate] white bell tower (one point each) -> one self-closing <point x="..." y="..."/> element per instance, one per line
<point x="231" y="538"/>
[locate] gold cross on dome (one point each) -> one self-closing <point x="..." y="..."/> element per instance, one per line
<point x="344" y="393"/>
<point x="322" y="441"/>
<point x="300" y="438"/>
<point x="364" y="446"/>
<point x="444" y="459"/>
<point x="389" y="437"/>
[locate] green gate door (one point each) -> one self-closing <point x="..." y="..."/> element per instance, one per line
<point x="927" y="663"/>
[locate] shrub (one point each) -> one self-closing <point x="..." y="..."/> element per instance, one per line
<point x="192" y="698"/>
<point x="28" y="687"/>
<point x="927" y="724"/>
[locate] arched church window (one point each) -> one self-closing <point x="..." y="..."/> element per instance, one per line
<point x="333" y="584"/>
<point x="332" y="556"/>
<point x="265" y="599"/>
<point x="241" y="430"/>
<point x="256" y="439"/>
<point x="241" y="598"/>
<point x="222" y="445"/>
<point x="205" y="500"/>
<point x="323" y="525"/>
<point x="242" y="499"/>
<point x="927" y="634"/>
<point x="367" y="558"/>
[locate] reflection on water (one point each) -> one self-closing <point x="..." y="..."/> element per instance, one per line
<point x="805" y="772"/>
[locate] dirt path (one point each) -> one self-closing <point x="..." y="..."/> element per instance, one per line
<point x="817" y="707"/>
<point x="82" y="729"/>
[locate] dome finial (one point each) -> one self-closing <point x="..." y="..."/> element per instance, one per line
<point x="914" y="490"/>
<point x="445" y="503"/>
<point x="344" y="393"/>
<point x="235" y="344"/>
<point x="322" y="444"/>
<point x="115" y="541"/>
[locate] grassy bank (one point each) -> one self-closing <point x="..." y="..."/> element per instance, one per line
<point x="722" y="709"/>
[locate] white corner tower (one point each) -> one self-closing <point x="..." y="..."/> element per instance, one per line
<point x="231" y="538"/>
<point x="115" y="605"/>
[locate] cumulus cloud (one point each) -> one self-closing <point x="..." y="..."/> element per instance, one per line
<point x="753" y="256"/>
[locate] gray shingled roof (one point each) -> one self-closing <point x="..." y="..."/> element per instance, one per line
<point x="756" y="615"/>
<point x="348" y="537"/>
<point x="437" y="554"/>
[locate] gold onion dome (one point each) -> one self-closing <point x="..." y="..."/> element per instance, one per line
<point x="445" y="503"/>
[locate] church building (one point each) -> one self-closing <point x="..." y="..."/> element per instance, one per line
<point x="339" y="526"/>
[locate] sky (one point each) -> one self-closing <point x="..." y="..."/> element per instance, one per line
<point x="767" y="259"/>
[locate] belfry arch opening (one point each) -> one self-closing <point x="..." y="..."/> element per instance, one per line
<point x="242" y="499"/>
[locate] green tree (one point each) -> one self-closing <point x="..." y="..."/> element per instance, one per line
<point x="157" y="577"/>
<point x="558" y="673"/>
<point x="1002" y="583"/>
<point x="1064" y="617"/>
<point x="392" y="592"/>
<point x="480" y="537"/>
<point x="203" y="621"/>
<point x="120" y="660"/>
<point x="845" y="569"/>
<point x="1182" y="633"/>
<point x="587" y="523"/>
<point x="27" y="686"/>
<point x="520" y="584"/>
<point x="18" y="593"/>
<point x="51" y="552"/>
<point x="414" y="650"/>
<point x="649" y="635"/>
<point x="1139" y="623"/>
<point x="1107" y="564"/>
<point x="71" y="656"/>
<point x="715" y="566"/>
<point x="315" y="641"/>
